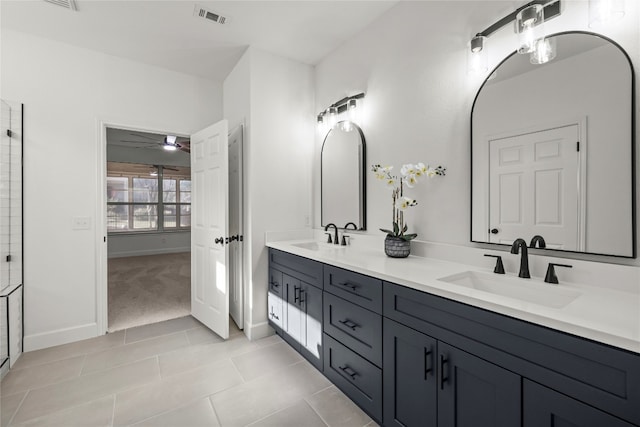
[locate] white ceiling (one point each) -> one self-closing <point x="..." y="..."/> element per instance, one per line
<point x="165" y="33"/>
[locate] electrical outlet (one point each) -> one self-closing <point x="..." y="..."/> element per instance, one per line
<point x="81" y="223"/>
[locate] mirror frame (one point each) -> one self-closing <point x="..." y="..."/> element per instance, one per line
<point x="363" y="179"/>
<point x="633" y="152"/>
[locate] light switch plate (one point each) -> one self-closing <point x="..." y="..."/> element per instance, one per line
<point x="81" y="223"/>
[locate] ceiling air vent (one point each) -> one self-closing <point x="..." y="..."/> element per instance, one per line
<point x="210" y="15"/>
<point x="67" y="4"/>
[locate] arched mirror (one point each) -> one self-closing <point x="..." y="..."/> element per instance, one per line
<point x="552" y="150"/>
<point x="343" y="177"/>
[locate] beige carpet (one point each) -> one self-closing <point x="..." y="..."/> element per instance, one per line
<point x="148" y="289"/>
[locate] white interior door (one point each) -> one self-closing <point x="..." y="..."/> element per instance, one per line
<point x="236" y="307"/>
<point x="534" y="186"/>
<point x="210" y="228"/>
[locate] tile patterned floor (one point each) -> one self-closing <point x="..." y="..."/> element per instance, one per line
<point x="173" y="373"/>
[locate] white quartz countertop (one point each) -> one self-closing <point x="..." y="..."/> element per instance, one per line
<point x="601" y="314"/>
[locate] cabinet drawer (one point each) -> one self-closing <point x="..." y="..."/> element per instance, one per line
<point x="360" y="289"/>
<point x="599" y="375"/>
<point x="307" y="270"/>
<point x="275" y="282"/>
<point x="355" y="376"/>
<point x="356" y="327"/>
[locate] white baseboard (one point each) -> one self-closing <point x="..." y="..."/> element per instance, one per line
<point x="149" y="252"/>
<point x="60" y="336"/>
<point x="257" y="331"/>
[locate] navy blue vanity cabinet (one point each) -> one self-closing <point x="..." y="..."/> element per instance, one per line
<point x="275" y="300"/>
<point x="430" y="383"/>
<point x="295" y="303"/>
<point x="544" y="407"/>
<point x="353" y="336"/>
<point x="590" y="375"/>
<point x="409" y="377"/>
<point x="473" y="392"/>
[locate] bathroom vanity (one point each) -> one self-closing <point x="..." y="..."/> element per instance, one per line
<point x="413" y="350"/>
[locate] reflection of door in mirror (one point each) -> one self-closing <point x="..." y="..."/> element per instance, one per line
<point x="342" y="179"/>
<point x="589" y="84"/>
<point x="533" y="187"/>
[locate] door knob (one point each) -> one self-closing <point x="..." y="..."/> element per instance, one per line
<point x="219" y="240"/>
<point x="494" y="231"/>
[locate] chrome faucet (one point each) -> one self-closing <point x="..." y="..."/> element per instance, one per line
<point x="519" y="245"/>
<point x="335" y="236"/>
<point x="539" y="241"/>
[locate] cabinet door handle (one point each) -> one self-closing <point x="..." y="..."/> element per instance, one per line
<point x="296" y="294"/>
<point x="302" y="292"/>
<point x="444" y="376"/>
<point x="349" y="285"/>
<point x="274" y="316"/>
<point x="350" y="372"/>
<point x="349" y="324"/>
<point x="428" y="362"/>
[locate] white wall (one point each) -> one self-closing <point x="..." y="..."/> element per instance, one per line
<point x="412" y="65"/>
<point x="67" y="91"/>
<point x="277" y="109"/>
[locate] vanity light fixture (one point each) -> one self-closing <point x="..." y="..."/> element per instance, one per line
<point x="544" y="51"/>
<point x="602" y="12"/>
<point x="478" y="54"/>
<point x="529" y="25"/>
<point x="329" y="117"/>
<point x="332" y="117"/>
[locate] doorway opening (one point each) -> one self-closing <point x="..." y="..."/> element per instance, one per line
<point x="148" y="219"/>
<point x="146" y="269"/>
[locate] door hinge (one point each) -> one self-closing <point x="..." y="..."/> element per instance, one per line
<point x="8" y="258"/>
<point x="9" y="133"/>
<point x="577" y="145"/>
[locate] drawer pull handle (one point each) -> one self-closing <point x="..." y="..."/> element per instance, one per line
<point x="300" y="297"/>
<point x="349" y="285"/>
<point x="274" y="316"/>
<point x="428" y="362"/>
<point x="350" y="372"/>
<point x="349" y="324"/>
<point x="296" y="294"/>
<point x="444" y="377"/>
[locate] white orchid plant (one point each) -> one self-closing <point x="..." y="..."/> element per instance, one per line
<point x="410" y="175"/>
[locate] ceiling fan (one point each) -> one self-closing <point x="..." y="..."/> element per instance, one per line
<point x="169" y="142"/>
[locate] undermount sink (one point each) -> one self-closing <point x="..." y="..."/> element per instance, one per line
<point x="315" y="246"/>
<point x="528" y="290"/>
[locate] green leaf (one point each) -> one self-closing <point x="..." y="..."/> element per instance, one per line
<point x="406" y="227"/>
<point x="409" y="236"/>
<point x="396" y="229"/>
<point x="389" y="232"/>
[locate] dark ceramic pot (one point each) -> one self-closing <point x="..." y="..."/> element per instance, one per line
<point x="396" y="247"/>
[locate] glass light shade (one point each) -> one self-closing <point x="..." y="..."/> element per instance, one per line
<point x="169" y="147"/>
<point x="332" y="117"/>
<point x="478" y="56"/>
<point x="529" y="27"/>
<point x="544" y="51"/>
<point x="602" y="12"/>
<point x="352" y="110"/>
